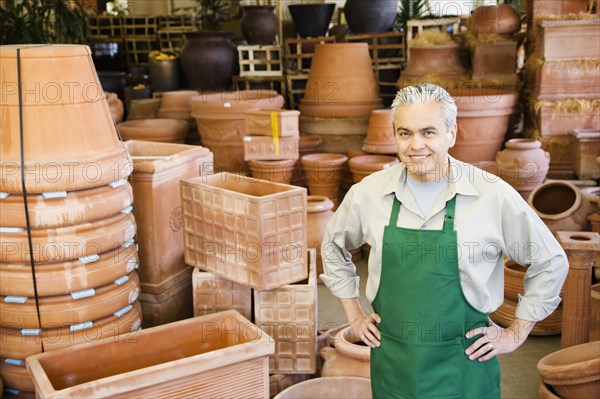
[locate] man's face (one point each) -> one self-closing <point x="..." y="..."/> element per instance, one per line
<point x="423" y="140"/>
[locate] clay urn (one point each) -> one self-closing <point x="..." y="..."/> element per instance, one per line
<point x="501" y="19"/>
<point x="323" y="172"/>
<point x="275" y="171"/>
<point x="483" y="120"/>
<point x="523" y="164"/>
<point x="350" y="357"/>
<point x="329" y="388"/>
<point x="441" y="60"/>
<point x="364" y="165"/>
<point x="117" y="109"/>
<point x="574" y="372"/>
<point x="560" y="205"/>
<point x="161" y="130"/>
<point x="221" y="125"/>
<point x="380" y="134"/>
<point x="70" y="141"/>
<point x="306" y="145"/>
<point x="341" y="82"/>
<point x="259" y="25"/>
<point x="319" y="210"/>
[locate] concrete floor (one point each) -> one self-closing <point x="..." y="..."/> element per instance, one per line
<point x="520" y="378"/>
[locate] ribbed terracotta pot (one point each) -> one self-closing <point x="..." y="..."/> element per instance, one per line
<point x="350" y="357"/>
<point x="319" y="210"/>
<point x="483" y="118"/>
<point x="441" y="60"/>
<point x="220" y="121"/>
<point x="362" y="166"/>
<point x="275" y="171"/>
<point x="380" y="134"/>
<point x="70" y="141"/>
<point x="323" y="172"/>
<point x="161" y="130"/>
<point x="500" y="19"/>
<point x="306" y="145"/>
<point x="341" y="82"/>
<point x="347" y="175"/>
<point x="560" y="205"/>
<point x="523" y="164"/>
<point x="329" y="388"/>
<point x="573" y="372"/>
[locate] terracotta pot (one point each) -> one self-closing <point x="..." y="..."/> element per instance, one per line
<point x="376" y="16"/>
<point x="546" y="391"/>
<point x="347" y="358"/>
<point x="563" y="41"/>
<point x="177" y="100"/>
<point x="279" y="382"/>
<point x="380" y="134"/>
<point x="209" y="60"/>
<point x="592" y="194"/>
<point x="263" y="148"/>
<point x="161" y="130"/>
<point x="70" y="142"/>
<point x="495" y="61"/>
<point x="483" y="117"/>
<point x="275" y="171"/>
<point x="500" y="19"/>
<point x="573" y="372"/>
<point x="259" y="123"/>
<point x="259" y="25"/>
<point x="337" y="134"/>
<point x="171" y="304"/>
<point x="523" y="164"/>
<point x="564" y="80"/>
<point x="364" y="165"/>
<point x="441" y="60"/>
<point x="560" y="205"/>
<point x="595" y="312"/>
<point x="319" y="210"/>
<point x="552" y="121"/>
<point x="15" y="376"/>
<point x="311" y="20"/>
<point x="233" y="367"/>
<point x="594" y="219"/>
<point x="323" y="172"/>
<point x="329" y="388"/>
<point x="221" y="124"/>
<point x="537" y="8"/>
<point x="306" y="145"/>
<point x="341" y="82"/>
<point x="117" y="109"/>
<point x="145" y="108"/>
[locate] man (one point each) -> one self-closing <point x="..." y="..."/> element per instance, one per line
<point x="438" y="230"/>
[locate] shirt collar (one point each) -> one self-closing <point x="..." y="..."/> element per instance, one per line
<point x="460" y="178"/>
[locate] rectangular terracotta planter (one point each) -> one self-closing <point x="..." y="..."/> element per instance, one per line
<point x="537" y="8"/>
<point x="586" y="148"/>
<point x="221" y="355"/>
<point x="495" y="61"/>
<point x="289" y="315"/>
<point x="279" y="382"/>
<point x="259" y="123"/>
<point x="262" y="148"/>
<point x="157" y="170"/>
<point x="556" y="122"/>
<point x="568" y="79"/>
<point x="171" y="305"/>
<point x="212" y="294"/>
<point x="561" y="156"/>
<point x="568" y="40"/>
<point x="247" y="230"/>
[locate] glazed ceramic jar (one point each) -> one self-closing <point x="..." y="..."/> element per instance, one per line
<point x="523" y="164"/>
<point x="374" y="16"/>
<point x="311" y="20"/>
<point x="259" y="25"/>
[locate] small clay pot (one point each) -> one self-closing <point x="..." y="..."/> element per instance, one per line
<point x="161" y="130"/>
<point x="592" y="194"/>
<point x="348" y="358"/>
<point x="323" y="172"/>
<point x="440" y="60"/>
<point x="177" y="100"/>
<point x="364" y="165"/>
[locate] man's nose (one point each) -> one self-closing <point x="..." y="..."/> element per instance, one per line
<point x="416" y="142"/>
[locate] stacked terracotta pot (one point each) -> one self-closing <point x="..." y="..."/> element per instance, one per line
<point x="562" y="78"/>
<point x="68" y="254"/>
<point x="271" y="144"/>
<point x="340" y="94"/>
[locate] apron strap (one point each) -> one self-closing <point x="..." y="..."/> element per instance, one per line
<point x="448" y="219"/>
<point x="395" y="211"/>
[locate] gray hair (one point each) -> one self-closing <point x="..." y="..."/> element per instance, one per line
<point x="426" y="92"/>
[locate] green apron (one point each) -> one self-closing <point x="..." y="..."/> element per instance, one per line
<point x="424" y="318"/>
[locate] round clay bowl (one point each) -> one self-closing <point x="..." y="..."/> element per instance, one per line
<point x="66" y="277"/>
<point x="275" y="171"/>
<point x="77" y="207"/>
<point x="15" y="345"/>
<point x="320" y="160"/>
<point x="364" y="165"/>
<point x="184" y="114"/>
<point x="177" y="100"/>
<point x="161" y="130"/>
<point x="144" y="108"/>
<point x="70" y="242"/>
<point x="62" y="310"/>
<point x="329" y="388"/>
<point x="560" y="205"/>
<point x="500" y="19"/>
<point x="573" y="372"/>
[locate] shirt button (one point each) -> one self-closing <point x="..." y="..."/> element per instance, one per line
<point x="423" y="225"/>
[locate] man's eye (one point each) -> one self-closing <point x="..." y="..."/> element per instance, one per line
<point x="403" y="134"/>
<point x="429" y="132"/>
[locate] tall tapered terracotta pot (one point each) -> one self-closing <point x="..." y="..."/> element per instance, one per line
<point x="323" y="172"/>
<point x="380" y="135"/>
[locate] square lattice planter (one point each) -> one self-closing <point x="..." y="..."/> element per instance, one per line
<point x="212" y="294"/>
<point x="247" y="230"/>
<point x="215" y="356"/>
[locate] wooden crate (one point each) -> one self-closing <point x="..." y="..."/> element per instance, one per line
<point x="260" y="60"/>
<point x="138" y="49"/>
<point x="384" y="48"/>
<point x="172" y="39"/>
<point x="299" y="53"/>
<point x="416" y="26"/>
<point x="140" y="26"/>
<point x="275" y="83"/>
<point x="176" y="21"/>
<point x="106" y="26"/>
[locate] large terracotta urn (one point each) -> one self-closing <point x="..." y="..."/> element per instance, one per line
<point x="329" y="388"/>
<point x="380" y="134"/>
<point x="499" y="19"/>
<point x="350" y="357"/>
<point x="319" y="210"/>
<point x="323" y="172"/>
<point x="560" y="205"/>
<point x="311" y="20"/>
<point x="441" y="60"/>
<point x="209" y="60"/>
<point x="523" y="164"/>
<point x="259" y="25"/>
<point x="483" y="121"/>
<point x="363" y="165"/>
<point x="341" y="82"/>
<point x="373" y="16"/>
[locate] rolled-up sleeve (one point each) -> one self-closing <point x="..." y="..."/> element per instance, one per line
<point x="530" y="243"/>
<point x="344" y="232"/>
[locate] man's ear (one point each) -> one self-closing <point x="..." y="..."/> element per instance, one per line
<point x="453" y="131"/>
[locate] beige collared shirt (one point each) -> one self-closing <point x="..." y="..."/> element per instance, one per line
<point x="492" y="221"/>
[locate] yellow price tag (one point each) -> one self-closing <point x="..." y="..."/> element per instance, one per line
<point x="275" y="131"/>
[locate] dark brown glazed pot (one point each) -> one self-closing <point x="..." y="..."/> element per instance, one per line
<point x="259" y="25"/>
<point x="209" y="60"/>
<point x="374" y="16"/>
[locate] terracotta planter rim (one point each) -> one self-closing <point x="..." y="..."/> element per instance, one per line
<point x="571" y="373"/>
<point x="572" y="187"/>
<point x="350" y="349"/>
<point x="371" y="162"/>
<point x="318" y="203"/>
<point x="523" y="144"/>
<point x="308" y="142"/>
<point x="44" y="51"/>
<point x="160" y="123"/>
<point x="317" y="158"/>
